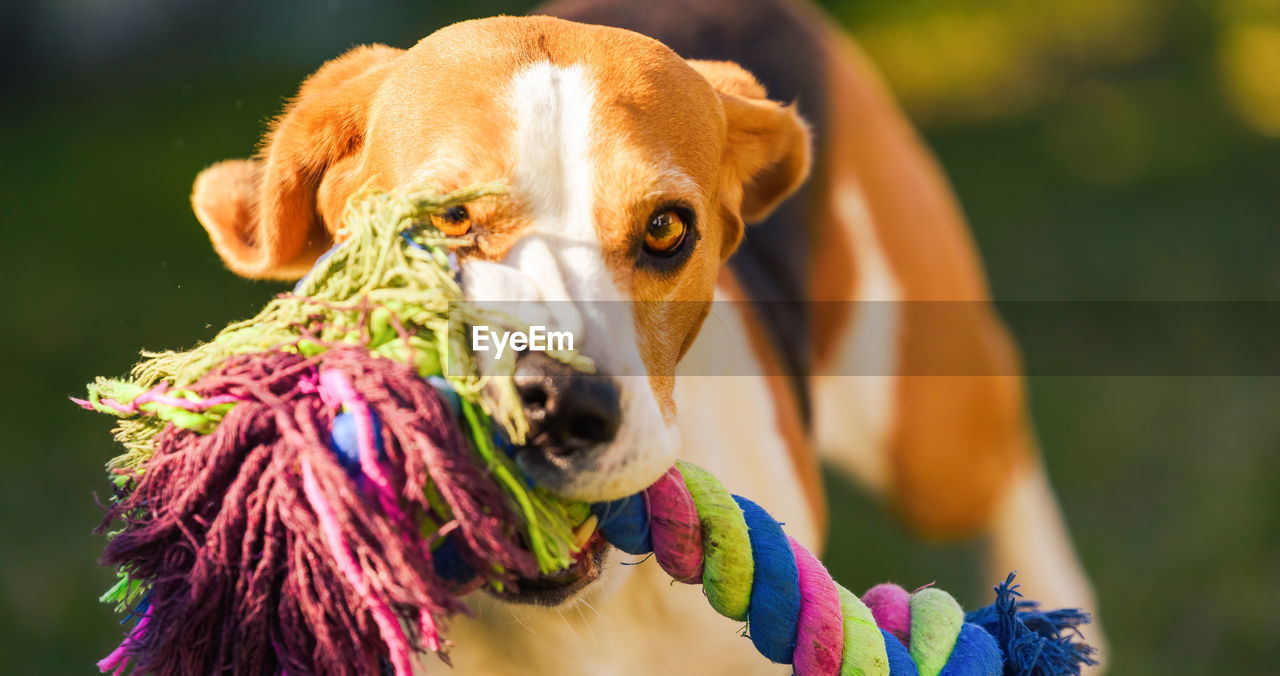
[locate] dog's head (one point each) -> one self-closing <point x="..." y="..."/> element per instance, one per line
<point x="630" y="173"/>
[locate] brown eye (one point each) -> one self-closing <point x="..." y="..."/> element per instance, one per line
<point x="665" y="233"/>
<point x="453" y="222"/>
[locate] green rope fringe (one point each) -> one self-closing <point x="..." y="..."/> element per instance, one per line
<point x="388" y="286"/>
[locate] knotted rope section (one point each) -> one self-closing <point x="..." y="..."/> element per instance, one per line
<point x="797" y="614"/>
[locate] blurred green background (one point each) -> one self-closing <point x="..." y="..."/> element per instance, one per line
<point x="1103" y="149"/>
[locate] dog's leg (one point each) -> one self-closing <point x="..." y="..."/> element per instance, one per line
<point x="918" y="392"/>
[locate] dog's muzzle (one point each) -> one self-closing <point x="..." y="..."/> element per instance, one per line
<point x="572" y="417"/>
<point x="593" y="436"/>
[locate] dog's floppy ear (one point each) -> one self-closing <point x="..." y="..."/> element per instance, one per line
<point x="262" y="214"/>
<point x="767" y="154"/>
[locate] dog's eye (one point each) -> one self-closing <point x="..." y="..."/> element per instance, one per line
<point x="454" y="221"/>
<point x="665" y="233"/>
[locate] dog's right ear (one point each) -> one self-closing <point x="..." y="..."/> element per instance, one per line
<point x="263" y="214"/>
<point x="768" y="154"/>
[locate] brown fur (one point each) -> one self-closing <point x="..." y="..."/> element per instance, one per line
<point x="956" y="440"/>
<point x="392" y="119"/>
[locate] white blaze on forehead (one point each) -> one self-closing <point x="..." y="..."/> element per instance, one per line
<point x="554" y="174"/>
<point x="553" y="108"/>
<point x="560" y="261"/>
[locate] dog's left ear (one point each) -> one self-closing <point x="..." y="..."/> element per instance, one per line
<point x="272" y="216"/>
<point x="767" y="153"/>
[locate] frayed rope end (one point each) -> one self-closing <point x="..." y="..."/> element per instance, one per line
<point x="1034" y="642"/>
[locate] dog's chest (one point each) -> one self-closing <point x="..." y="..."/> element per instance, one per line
<point x="638" y="623"/>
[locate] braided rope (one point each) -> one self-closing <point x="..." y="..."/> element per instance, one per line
<point x="795" y="612"/>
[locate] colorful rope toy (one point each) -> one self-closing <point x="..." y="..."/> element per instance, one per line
<point x="316" y="489"/>
<point x="796" y="614"/>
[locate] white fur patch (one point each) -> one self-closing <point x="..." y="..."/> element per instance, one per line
<point x="721" y="387"/>
<point x="854" y="403"/>
<point x="560" y="262"/>
<point x="554" y="173"/>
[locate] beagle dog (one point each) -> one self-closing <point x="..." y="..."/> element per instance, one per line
<point x="645" y="183"/>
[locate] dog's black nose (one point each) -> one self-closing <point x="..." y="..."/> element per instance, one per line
<point x="568" y="411"/>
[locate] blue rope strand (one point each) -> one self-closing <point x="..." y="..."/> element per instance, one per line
<point x="774" y="614"/>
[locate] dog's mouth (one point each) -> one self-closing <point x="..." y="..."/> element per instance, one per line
<point x="556" y="588"/>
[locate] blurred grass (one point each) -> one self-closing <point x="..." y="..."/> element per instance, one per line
<point x="106" y="258"/>
<point x="1125" y="178"/>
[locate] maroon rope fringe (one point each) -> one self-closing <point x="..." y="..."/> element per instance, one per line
<point x="242" y="579"/>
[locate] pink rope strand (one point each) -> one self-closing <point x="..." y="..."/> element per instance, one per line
<point x="676" y="529"/>
<point x="157" y="395"/>
<point x="820" y="636"/>
<point x="336" y="390"/>
<point x="118" y="660"/>
<point x="388" y="624"/>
